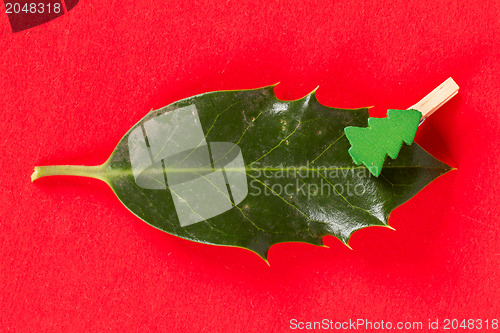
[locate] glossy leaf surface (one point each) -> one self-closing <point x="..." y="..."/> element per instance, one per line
<point x="242" y="168"/>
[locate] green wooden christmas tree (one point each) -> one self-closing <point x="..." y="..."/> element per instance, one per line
<point x="383" y="136"/>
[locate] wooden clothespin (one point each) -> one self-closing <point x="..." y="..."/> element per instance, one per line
<point x="436" y="98"/>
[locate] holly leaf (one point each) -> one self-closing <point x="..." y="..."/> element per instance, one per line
<point x="245" y="169"/>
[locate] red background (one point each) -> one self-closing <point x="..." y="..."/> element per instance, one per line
<point x="73" y="258"/>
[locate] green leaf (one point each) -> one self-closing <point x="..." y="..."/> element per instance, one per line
<point x="244" y="169"/>
<point x="382" y="137"/>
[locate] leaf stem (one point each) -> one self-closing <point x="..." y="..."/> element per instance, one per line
<point x="95" y="171"/>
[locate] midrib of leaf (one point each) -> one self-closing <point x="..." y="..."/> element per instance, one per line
<point x="105" y="173"/>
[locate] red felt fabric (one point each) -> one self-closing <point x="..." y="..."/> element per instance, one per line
<point x="72" y="258"/>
